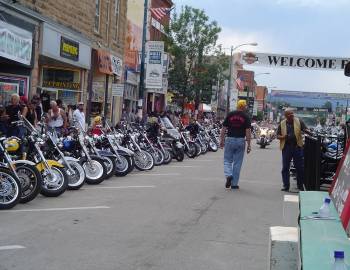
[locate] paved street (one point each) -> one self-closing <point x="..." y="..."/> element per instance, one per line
<point x="174" y="217"/>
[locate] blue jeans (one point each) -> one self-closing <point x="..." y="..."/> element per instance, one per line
<point x="296" y="153"/>
<point x="233" y="158"/>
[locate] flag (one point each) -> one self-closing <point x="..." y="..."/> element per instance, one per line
<point x="160" y="13"/>
<point x="240" y="83"/>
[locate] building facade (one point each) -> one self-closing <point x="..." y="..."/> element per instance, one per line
<point x="159" y="18"/>
<point x="261" y="93"/>
<point x="77" y="52"/>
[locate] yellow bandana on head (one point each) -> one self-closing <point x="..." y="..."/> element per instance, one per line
<point x="241" y="104"/>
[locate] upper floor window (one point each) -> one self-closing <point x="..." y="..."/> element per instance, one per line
<point x="117" y="10"/>
<point x="97" y="15"/>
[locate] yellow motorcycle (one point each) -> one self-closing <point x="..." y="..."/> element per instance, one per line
<point x="29" y="151"/>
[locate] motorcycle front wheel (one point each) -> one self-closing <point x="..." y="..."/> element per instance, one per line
<point x="95" y="171"/>
<point x="180" y="154"/>
<point x="55" y="183"/>
<point x="76" y="179"/>
<point x="31" y="181"/>
<point x="158" y="156"/>
<point x="191" y="151"/>
<point x="10" y="189"/>
<point x="213" y="146"/>
<point x="143" y="160"/>
<point x="122" y="166"/>
<point x="167" y="156"/>
<point x="111" y="166"/>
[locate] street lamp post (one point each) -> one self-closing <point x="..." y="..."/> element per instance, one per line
<point x="231" y="67"/>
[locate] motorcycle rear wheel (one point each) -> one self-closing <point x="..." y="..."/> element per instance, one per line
<point x="31" y="181"/>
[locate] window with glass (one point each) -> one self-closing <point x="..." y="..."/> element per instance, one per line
<point x="117" y="10"/>
<point x="97" y="15"/>
<point x="107" y="20"/>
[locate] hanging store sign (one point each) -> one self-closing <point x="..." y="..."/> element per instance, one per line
<point x="61" y="85"/>
<point x="117" y="89"/>
<point x="294" y="61"/>
<point x="104" y="62"/>
<point x="117" y="65"/>
<point x="154" y="70"/>
<point x="69" y="49"/>
<point x="15" y="43"/>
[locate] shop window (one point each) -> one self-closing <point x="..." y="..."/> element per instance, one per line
<point x="97" y="16"/>
<point x="12" y="85"/>
<point x="62" y="84"/>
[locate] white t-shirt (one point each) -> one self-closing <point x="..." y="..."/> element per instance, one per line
<point x="80" y="117"/>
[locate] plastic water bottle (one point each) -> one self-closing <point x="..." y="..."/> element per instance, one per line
<point x="324" y="210"/>
<point x="339" y="263"/>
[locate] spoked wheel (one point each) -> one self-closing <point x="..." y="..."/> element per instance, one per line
<point x="143" y="161"/>
<point x="199" y="149"/>
<point x="191" y="152"/>
<point x="111" y="166"/>
<point x="122" y="166"/>
<point x="213" y="146"/>
<point x="55" y="183"/>
<point x="31" y="181"/>
<point x="158" y="156"/>
<point x="10" y="189"/>
<point x="95" y="171"/>
<point x="76" y="179"/>
<point x="167" y="156"/>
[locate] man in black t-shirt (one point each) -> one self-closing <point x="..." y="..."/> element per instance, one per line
<point x="238" y="127"/>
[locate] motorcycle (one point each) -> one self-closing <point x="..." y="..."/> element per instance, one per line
<point x="54" y="177"/>
<point x="75" y="172"/>
<point x="263" y="139"/>
<point x="10" y="185"/>
<point x="74" y="146"/>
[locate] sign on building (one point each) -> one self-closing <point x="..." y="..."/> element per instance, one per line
<point x="15" y="43"/>
<point x="294" y="61"/>
<point x="154" y="61"/>
<point x="117" y="89"/>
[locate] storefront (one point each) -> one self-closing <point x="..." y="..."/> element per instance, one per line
<point x="65" y="59"/>
<point x="16" y="57"/>
<point x="107" y="88"/>
<point x="131" y="91"/>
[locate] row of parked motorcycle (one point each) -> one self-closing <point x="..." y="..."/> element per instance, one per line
<point x="45" y="162"/>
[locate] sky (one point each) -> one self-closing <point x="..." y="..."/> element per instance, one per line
<point x="296" y="27"/>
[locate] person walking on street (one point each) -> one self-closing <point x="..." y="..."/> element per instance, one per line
<point x="237" y="125"/>
<point x="289" y="133"/>
<point x="56" y="118"/>
<point x="78" y="115"/>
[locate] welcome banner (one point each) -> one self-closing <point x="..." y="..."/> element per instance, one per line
<point x="294" y="61"/>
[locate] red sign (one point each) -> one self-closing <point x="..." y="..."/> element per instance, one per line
<point x="340" y="189"/>
<point x="104" y="62"/>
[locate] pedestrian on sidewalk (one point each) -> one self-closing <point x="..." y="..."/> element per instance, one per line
<point x="289" y="133"/>
<point x="237" y="125"/>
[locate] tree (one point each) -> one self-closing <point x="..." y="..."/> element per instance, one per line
<point x="328" y="106"/>
<point x="190" y="37"/>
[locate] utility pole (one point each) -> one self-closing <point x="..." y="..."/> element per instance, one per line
<point x="142" y="69"/>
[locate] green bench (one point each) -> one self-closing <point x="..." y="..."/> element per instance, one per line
<point x="320" y="238"/>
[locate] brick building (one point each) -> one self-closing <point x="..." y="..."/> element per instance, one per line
<point x="70" y="42"/>
<point x="261" y="97"/>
